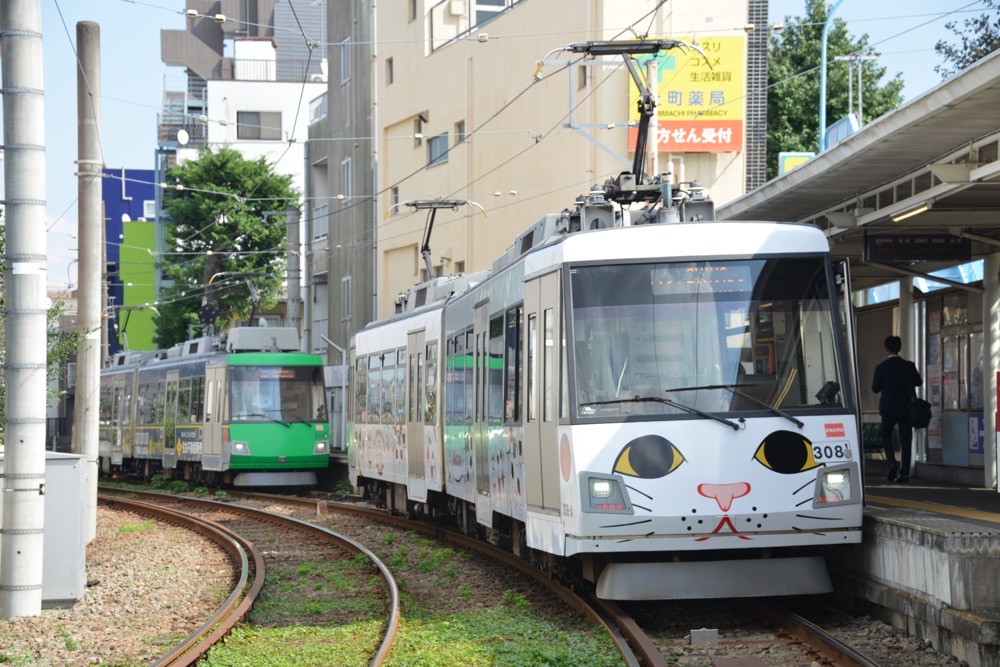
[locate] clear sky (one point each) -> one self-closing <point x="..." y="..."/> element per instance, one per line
<point x="133" y="78"/>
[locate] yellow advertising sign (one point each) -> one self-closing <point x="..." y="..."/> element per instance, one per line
<point x="700" y="99"/>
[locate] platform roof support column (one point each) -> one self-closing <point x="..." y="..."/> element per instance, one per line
<point x="991" y="354"/>
<point x="908" y="332"/>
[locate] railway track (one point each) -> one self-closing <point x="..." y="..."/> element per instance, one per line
<point x="255" y="531"/>
<point x="758" y="634"/>
<point x="750" y="633"/>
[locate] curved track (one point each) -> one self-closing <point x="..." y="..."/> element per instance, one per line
<point x="237" y="604"/>
<point x="289" y="526"/>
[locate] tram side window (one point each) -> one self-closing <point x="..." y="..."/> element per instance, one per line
<point x="495" y="399"/>
<point x="126" y="411"/>
<point x="105" y="406"/>
<point x="142" y="405"/>
<point x="388" y="391"/>
<point x="170" y="413"/>
<point x="449" y="382"/>
<point x="531" y="369"/>
<point x="400" y="414"/>
<point x="512" y="367"/>
<point x="411" y="374"/>
<point x="361" y="390"/>
<point x="184" y="402"/>
<point x="469" y="381"/>
<point x="158" y="402"/>
<point x="430" y="384"/>
<point x="374" y="388"/>
<point x="197" y="399"/>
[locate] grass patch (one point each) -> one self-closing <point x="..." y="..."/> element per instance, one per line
<point x="136" y="527"/>
<point x="501" y="636"/>
<point x="317" y="592"/>
<point x="352" y="644"/>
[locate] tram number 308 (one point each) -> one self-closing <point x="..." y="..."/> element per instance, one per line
<point x="832" y="452"/>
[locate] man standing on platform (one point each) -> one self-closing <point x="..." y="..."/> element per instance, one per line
<point x="896" y="379"/>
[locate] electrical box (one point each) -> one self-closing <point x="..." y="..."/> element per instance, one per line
<point x="64" y="555"/>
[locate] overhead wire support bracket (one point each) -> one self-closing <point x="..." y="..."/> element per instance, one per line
<point x="432" y="206"/>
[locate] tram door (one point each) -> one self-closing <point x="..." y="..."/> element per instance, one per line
<point x="215" y="382"/>
<point x="416" y="480"/>
<point x="540" y="354"/>
<point x="480" y="425"/>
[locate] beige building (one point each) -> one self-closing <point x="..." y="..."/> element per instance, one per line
<point x="460" y="113"/>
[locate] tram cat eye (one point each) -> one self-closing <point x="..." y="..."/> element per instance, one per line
<point x="786" y="452"/>
<point x="648" y="457"/>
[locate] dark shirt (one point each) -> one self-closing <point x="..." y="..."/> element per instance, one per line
<point x="895" y="379"/>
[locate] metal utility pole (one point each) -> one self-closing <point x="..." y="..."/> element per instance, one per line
<point x="23" y="519"/>
<point x="90" y="267"/>
<point x="294" y="285"/>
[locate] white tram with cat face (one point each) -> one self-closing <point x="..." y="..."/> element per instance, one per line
<point x="665" y="410"/>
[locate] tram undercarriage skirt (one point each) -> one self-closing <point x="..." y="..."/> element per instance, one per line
<point x="276" y="478"/>
<point x="714" y="579"/>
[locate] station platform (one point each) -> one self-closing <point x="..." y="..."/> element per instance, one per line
<point x="929" y="564"/>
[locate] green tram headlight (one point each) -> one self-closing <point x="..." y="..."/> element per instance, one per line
<point x="239" y="448"/>
<point x="321" y="447"/>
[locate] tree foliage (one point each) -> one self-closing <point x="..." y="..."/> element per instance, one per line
<point x="793" y="63"/>
<point x="222" y="221"/>
<point x="978" y="37"/>
<point x="61" y="348"/>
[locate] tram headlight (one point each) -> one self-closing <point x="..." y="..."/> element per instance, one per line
<point x="834" y="486"/>
<point x="321" y="447"/>
<point x="603" y="494"/>
<point x="600" y="488"/>
<point x="239" y="448"/>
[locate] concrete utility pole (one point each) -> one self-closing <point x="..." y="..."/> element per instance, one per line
<point x="294" y="283"/>
<point x="90" y="267"/>
<point x="23" y="519"/>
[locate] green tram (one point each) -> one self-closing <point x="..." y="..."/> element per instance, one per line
<point x="245" y="409"/>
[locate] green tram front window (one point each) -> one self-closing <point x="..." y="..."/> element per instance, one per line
<point x="276" y="393"/>
<point x="718" y="336"/>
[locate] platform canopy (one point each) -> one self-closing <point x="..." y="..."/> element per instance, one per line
<point x="913" y="177"/>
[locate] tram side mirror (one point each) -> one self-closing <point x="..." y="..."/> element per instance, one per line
<point x="827" y="395"/>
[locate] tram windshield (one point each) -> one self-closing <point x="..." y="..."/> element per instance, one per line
<point x="283" y="394"/>
<point x="718" y="336"/>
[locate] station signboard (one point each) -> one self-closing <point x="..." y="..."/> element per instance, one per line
<point x="917" y="247"/>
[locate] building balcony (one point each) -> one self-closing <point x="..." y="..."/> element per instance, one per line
<point x="243" y="69"/>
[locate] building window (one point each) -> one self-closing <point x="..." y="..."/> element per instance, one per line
<point x="581" y="78"/>
<point x="263" y="125"/>
<point x="389" y="73"/>
<point x="149" y="209"/>
<point x="395" y="200"/>
<point x="459" y="131"/>
<point x="437" y="150"/>
<point x="320" y="222"/>
<point x="345" y="298"/>
<point x="345" y="60"/>
<point x="346" y="176"/>
<point x="413" y="10"/>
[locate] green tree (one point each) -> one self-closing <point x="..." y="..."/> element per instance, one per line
<point x="219" y="224"/>
<point x="61" y="349"/>
<point x="978" y="37"/>
<point x="793" y="76"/>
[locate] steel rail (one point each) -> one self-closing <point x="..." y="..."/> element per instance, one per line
<point x="236" y="606"/>
<point x="830" y="646"/>
<point x="633" y="644"/>
<point x="392" y="623"/>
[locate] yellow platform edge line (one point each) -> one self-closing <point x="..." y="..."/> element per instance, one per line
<point x="950" y="510"/>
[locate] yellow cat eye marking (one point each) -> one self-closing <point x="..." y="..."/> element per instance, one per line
<point x="648" y="457"/>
